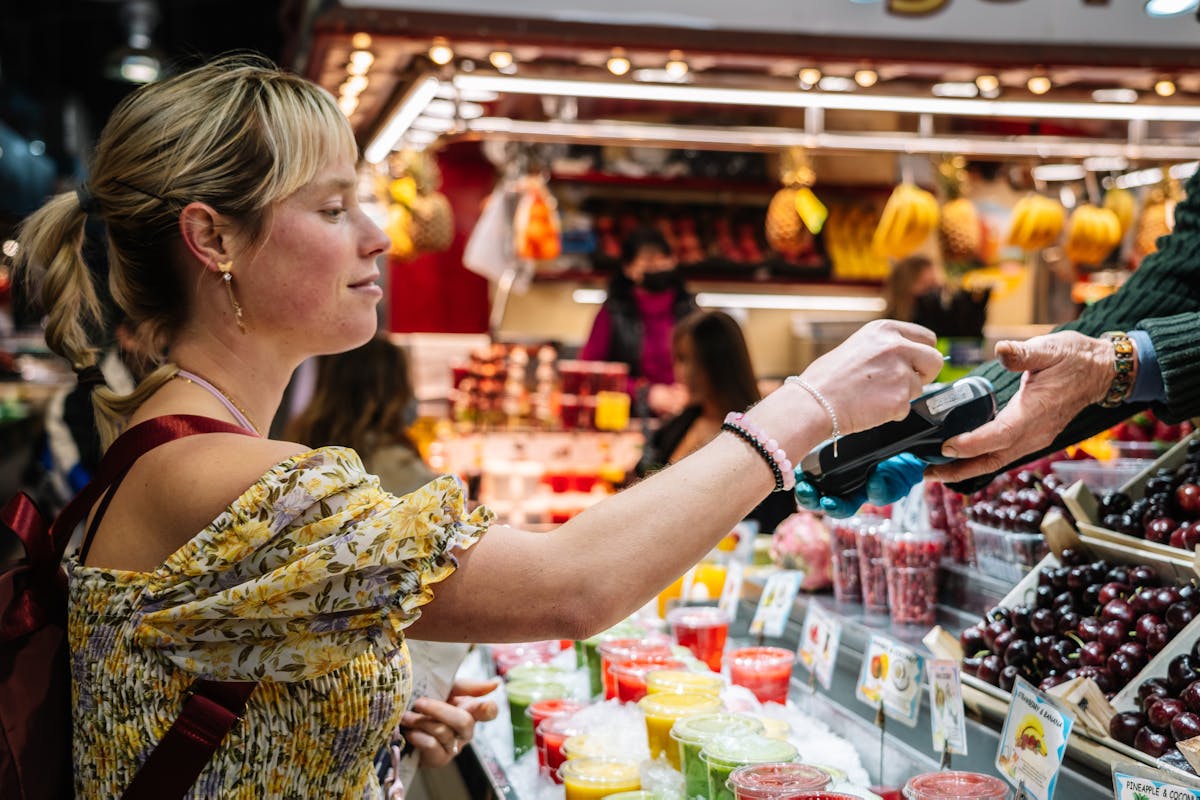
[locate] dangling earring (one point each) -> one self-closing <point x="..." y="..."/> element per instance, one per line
<point x="226" y="268"/>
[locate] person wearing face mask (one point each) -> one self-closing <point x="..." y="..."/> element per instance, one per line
<point x="645" y="300"/>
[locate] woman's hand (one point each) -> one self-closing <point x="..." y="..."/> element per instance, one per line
<point x="438" y="730"/>
<point x="1065" y="372"/>
<point x="872" y="377"/>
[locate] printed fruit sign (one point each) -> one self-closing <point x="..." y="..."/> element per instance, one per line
<point x="1136" y="782"/>
<point x="775" y="605"/>
<point x="1033" y="741"/>
<point x="819" y="643"/>
<point x="892" y="676"/>
<point x="946" y="707"/>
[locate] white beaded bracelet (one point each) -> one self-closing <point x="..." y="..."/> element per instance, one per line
<point x="820" y="398"/>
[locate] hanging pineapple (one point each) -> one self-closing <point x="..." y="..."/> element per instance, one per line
<point x="1121" y="202"/>
<point x="1157" y="218"/>
<point x="959" y="229"/>
<point x="795" y="214"/>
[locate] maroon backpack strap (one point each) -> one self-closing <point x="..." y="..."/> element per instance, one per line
<point x="212" y="707"/>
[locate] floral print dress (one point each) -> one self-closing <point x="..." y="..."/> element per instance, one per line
<point x="305" y="583"/>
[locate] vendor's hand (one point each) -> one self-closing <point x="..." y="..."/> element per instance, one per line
<point x="889" y="481"/>
<point x="872" y="377"/>
<point x="1065" y="372"/>
<point x="666" y="399"/>
<point x="438" y="730"/>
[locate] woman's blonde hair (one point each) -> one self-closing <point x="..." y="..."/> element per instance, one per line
<point x="238" y="134"/>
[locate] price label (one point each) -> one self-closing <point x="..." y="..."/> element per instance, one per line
<point x="775" y="605"/>
<point x="819" y="643"/>
<point x="946" y="708"/>
<point x="1033" y="741"/>
<point x="892" y="676"/>
<point x="731" y="591"/>
<point x="1135" y="782"/>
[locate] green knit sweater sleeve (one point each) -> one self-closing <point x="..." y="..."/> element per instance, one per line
<point x="1162" y="298"/>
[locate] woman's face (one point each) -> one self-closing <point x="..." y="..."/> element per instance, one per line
<point x="312" y="284"/>
<point x="688" y="372"/>
<point x="649" y="259"/>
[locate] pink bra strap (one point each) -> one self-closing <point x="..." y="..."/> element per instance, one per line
<point x="220" y="396"/>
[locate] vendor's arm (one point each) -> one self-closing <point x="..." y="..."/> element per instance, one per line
<point x="1162" y="298"/>
<point x="611" y="559"/>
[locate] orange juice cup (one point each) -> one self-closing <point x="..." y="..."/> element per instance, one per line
<point x="596" y="778"/>
<point x="663" y="710"/>
<point x="675" y="681"/>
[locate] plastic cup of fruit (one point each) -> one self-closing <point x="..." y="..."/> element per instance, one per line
<point x="847" y="580"/>
<point x="677" y="681"/>
<point x="723" y="754"/>
<point x="554" y="733"/>
<point x="952" y="785"/>
<point x="640" y="794"/>
<point x="542" y="710"/>
<point x="585" y="745"/>
<point x="826" y="795"/>
<point x="595" y="778"/>
<point x="872" y="567"/>
<point x="776" y="781"/>
<point x="630" y="674"/>
<point x="537" y="673"/>
<point x="620" y="650"/>
<point x="912" y="574"/>
<point x="662" y="711"/>
<point x="508" y="657"/>
<point x="766" y="671"/>
<point x="774" y="727"/>
<point x="701" y="629"/>
<point x="520" y="695"/>
<point x="691" y="734"/>
<point x="591" y="652"/>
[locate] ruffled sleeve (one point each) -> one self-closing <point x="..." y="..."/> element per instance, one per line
<point x="311" y="566"/>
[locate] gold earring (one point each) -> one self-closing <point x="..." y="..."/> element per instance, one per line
<point x="226" y="268"/>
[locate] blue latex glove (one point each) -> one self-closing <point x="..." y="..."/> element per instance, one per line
<point x="888" y="482"/>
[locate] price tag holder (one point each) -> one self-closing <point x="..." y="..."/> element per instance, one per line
<point x="1033" y="741"/>
<point x="775" y="605"/>
<point x="731" y="591"/>
<point x="891" y="677"/>
<point x="1136" y="782"/>
<point x="946" y="708"/>
<point x="819" y="643"/>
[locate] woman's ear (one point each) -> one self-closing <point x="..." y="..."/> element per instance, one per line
<point x="205" y="234"/>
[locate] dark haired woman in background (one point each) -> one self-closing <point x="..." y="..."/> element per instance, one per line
<point x="645" y="300"/>
<point x="712" y="362"/>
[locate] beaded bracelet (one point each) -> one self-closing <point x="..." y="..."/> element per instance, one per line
<point x="820" y="398"/>
<point x="781" y="467"/>
<point x="1123" y="377"/>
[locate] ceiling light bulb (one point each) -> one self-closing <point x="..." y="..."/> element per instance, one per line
<point x="1118" y="95"/>
<point x="675" y="67"/>
<point x="835" y="83"/>
<point x="810" y="75"/>
<point x="360" y="41"/>
<point x="360" y="62"/>
<point x="987" y="83"/>
<point x="347" y="103"/>
<point x="501" y="59"/>
<point x="1038" y="84"/>
<point x="1169" y="8"/>
<point x="440" y="52"/>
<point x="866" y="78"/>
<point x="1164" y="88"/>
<point x="618" y="64"/>
<point x="354" y="86"/>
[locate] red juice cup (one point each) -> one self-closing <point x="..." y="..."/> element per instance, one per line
<point x="553" y="732"/>
<point x="776" y="781"/>
<point x="701" y="629"/>
<point x="541" y="711"/>
<point x="823" y="795"/>
<point x="569" y="408"/>
<point x="766" y="671"/>
<point x="570" y="376"/>
<point x="630" y="675"/>
<point x="953" y="784"/>
<point x="619" y="650"/>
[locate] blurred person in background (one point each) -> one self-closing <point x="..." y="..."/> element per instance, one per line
<point x="712" y="362"/>
<point x="364" y="399"/>
<point x="645" y="300"/>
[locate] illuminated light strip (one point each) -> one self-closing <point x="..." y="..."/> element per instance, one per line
<point x="1151" y="176"/>
<point x="406" y="111"/>
<point x="656" y="135"/>
<point x="782" y="302"/>
<point x="675" y="93"/>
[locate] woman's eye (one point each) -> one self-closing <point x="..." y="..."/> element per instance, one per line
<point x="334" y="213"/>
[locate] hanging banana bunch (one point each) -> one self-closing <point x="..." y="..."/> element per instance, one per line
<point x="910" y="215"/>
<point x="959" y="231"/>
<point x="1037" y="222"/>
<point x="795" y="214"/>
<point x="1092" y="233"/>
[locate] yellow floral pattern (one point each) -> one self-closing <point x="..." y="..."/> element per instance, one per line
<point x="305" y="584"/>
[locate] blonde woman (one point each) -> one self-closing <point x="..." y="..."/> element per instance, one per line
<point x="238" y="249"/>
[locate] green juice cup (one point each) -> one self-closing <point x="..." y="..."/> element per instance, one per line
<point x="591" y="655"/>
<point x="691" y="734"/>
<point x="723" y="754"/>
<point x="537" y="673"/>
<point x="520" y="695"/>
